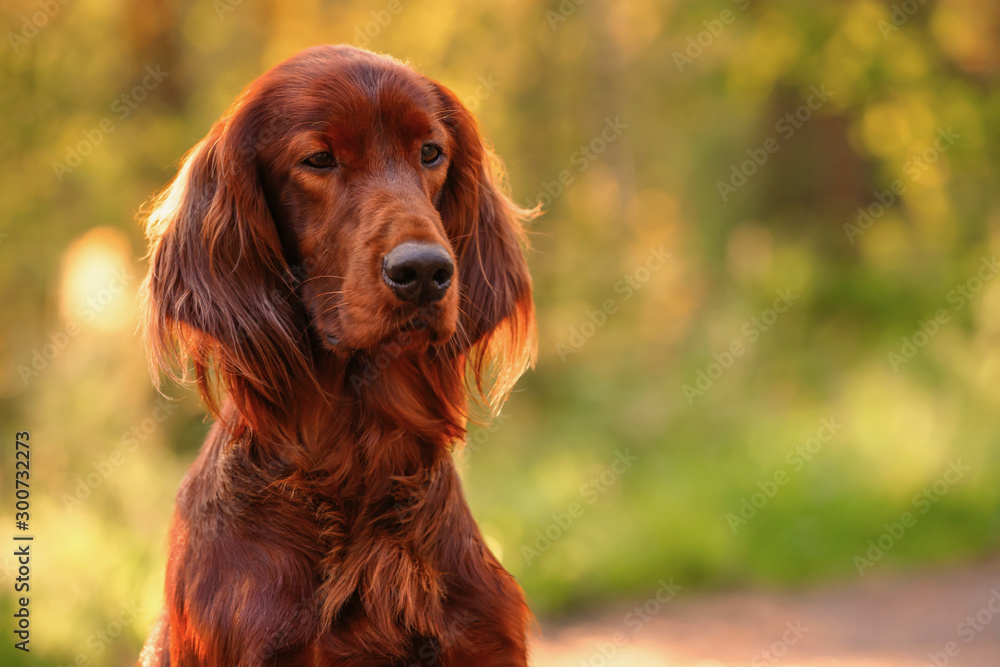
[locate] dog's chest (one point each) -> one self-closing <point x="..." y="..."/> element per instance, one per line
<point x="379" y="575"/>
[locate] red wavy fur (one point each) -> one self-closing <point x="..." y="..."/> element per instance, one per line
<point x="323" y="522"/>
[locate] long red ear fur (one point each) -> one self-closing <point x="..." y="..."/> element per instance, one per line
<point x="498" y="312"/>
<point x="218" y="285"/>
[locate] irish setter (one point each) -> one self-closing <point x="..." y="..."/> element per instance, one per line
<point x="338" y="265"/>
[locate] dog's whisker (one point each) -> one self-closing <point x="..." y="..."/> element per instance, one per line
<point x="323" y="276"/>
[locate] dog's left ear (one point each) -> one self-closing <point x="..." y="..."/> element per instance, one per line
<point x="487" y="232"/>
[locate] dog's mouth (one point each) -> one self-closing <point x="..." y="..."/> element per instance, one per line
<point x="417" y="325"/>
<point x="418" y="331"/>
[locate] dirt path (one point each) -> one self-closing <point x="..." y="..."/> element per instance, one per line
<point x="880" y="621"/>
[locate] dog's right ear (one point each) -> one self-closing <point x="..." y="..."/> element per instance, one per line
<point x="219" y="291"/>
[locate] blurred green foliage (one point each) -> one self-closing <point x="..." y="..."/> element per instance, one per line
<point x="638" y="358"/>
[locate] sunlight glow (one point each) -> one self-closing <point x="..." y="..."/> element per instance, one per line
<point x="96" y="285"/>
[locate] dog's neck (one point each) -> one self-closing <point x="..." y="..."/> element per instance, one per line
<point x="395" y="416"/>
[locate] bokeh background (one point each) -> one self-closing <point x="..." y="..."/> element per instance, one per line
<point x="751" y="207"/>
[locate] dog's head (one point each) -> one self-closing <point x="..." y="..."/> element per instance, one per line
<point x="344" y="205"/>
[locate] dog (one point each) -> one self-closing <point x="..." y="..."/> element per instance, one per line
<point x="337" y="269"/>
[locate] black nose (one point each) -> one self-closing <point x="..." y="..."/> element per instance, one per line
<point x="418" y="272"/>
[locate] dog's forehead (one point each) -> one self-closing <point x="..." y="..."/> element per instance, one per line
<point x="352" y="91"/>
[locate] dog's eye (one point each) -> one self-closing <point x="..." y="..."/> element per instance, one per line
<point x="430" y="153"/>
<point x="321" y="160"/>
